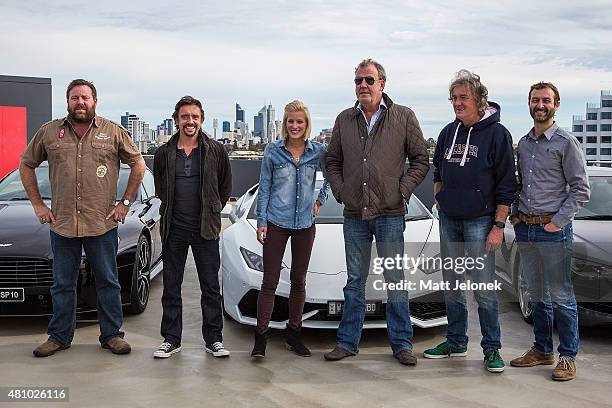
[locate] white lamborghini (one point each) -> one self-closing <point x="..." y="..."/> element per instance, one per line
<point x="242" y="270"/>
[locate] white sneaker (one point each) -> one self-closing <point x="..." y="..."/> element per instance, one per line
<point x="217" y="349"/>
<point x="165" y="350"/>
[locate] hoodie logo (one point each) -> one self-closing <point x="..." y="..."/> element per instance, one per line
<point x="458" y="150"/>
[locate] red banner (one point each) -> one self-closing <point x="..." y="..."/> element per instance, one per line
<point x="13" y="137"/>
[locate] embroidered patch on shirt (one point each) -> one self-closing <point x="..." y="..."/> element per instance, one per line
<point x="101" y="171"/>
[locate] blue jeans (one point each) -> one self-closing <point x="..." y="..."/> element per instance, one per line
<point x="389" y="234"/>
<point x="101" y="252"/>
<point x="465" y="239"/>
<point x="546" y="260"/>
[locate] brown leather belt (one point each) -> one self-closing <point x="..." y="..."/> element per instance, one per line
<point x="535" y="219"/>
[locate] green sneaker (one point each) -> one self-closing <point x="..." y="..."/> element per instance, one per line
<point x="443" y="350"/>
<point x="493" y="361"/>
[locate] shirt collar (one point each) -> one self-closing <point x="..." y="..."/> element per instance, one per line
<point x="96" y="121"/>
<point x="380" y="107"/>
<point x="281" y="142"/>
<point x="548" y="133"/>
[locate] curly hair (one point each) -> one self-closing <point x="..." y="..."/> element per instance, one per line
<point x="472" y="82"/>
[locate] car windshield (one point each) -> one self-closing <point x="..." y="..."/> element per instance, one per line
<point x="600" y="203"/>
<point x="11" y="188"/>
<point x="331" y="212"/>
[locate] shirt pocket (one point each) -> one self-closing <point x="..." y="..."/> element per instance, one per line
<point x="103" y="152"/>
<point x="58" y="152"/>
<point x="282" y="171"/>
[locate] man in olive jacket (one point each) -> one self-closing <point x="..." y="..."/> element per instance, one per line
<point x="365" y="167"/>
<point x="193" y="180"/>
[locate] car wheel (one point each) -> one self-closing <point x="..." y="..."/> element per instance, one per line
<point x="522" y="293"/>
<point x="139" y="293"/>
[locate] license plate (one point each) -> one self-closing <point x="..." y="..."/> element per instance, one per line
<point x="334" y="307"/>
<point x="12" y="295"/>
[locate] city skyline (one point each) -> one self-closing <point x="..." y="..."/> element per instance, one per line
<point x="249" y="52"/>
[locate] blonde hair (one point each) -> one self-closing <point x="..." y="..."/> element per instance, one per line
<point x="296" y="106"/>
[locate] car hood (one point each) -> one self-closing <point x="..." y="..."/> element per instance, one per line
<point x="21" y="233"/>
<point x="328" y="257"/>
<point x="593" y="240"/>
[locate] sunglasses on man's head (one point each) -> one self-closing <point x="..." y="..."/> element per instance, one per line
<point x="369" y="80"/>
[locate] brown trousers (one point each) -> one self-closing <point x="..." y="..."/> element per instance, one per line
<point x="273" y="251"/>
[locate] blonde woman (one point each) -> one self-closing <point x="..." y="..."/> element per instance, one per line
<point x="286" y="207"/>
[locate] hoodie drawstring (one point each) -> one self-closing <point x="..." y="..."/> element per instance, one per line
<point x="467" y="145"/>
<point x="450" y="151"/>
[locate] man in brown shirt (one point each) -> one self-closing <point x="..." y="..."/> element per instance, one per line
<point x="84" y="152"/>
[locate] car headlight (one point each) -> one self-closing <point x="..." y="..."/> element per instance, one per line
<point x="253" y="260"/>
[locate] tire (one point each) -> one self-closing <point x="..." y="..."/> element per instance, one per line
<point x="522" y="292"/>
<point x="139" y="292"/>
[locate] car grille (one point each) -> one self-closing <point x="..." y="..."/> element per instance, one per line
<point x="25" y="272"/>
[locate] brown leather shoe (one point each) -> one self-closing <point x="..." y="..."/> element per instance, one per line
<point x="533" y="358"/>
<point x="117" y="345"/>
<point x="565" y="369"/>
<point x="338" y="353"/>
<point x="48" y="348"/>
<point x="406" y="357"/>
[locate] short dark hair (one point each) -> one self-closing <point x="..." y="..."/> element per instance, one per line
<point x="77" y="82"/>
<point x="186" y="100"/>
<point x="543" y="85"/>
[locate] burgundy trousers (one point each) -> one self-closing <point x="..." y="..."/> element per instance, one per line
<point x="273" y="251"/>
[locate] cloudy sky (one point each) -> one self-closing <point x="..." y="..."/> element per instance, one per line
<point x="144" y="55"/>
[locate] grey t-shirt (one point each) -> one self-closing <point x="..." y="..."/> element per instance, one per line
<point x="187" y="191"/>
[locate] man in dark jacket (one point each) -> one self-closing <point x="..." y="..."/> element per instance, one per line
<point x="474" y="185"/>
<point x="193" y="180"/>
<point x="365" y="168"/>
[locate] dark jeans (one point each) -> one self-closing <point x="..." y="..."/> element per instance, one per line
<point x="546" y="262"/>
<point x="466" y="239"/>
<point x="206" y="256"/>
<point x="273" y="251"/>
<point x="358" y="235"/>
<point x="101" y="252"/>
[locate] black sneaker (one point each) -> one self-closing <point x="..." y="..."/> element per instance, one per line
<point x="217" y="349"/>
<point x="165" y="350"/>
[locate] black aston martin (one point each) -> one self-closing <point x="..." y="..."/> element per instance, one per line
<point x="26" y="258"/>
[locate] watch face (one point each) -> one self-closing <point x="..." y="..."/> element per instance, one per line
<point x="126" y="202"/>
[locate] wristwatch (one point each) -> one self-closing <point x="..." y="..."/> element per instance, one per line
<point x="499" y="224"/>
<point x="126" y="202"/>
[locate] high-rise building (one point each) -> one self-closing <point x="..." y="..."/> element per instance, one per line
<point x="215" y="126"/>
<point x="125" y="119"/>
<point x="595" y="131"/>
<point x="271" y="128"/>
<point x="226" y="126"/>
<point x="239" y="113"/>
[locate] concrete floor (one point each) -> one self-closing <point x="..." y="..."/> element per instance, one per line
<point x="95" y="377"/>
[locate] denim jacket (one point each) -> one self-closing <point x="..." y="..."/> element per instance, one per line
<point x="286" y="190"/>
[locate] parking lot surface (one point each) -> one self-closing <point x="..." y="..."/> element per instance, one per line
<point x="95" y="377"/>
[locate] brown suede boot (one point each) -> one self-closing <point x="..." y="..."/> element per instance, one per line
<point x="533" y="358"/>
<point x="117" y="345"/>
<point x="48" y="348"/>
<point x="565" y="369"/>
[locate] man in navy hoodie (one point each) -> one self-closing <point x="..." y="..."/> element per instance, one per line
<point x="474" y="186"/>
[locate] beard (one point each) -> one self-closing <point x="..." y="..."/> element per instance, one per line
<point x="549" y="114"/>
<point x="82" y="117"/>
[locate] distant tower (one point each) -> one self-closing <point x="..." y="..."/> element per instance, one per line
<point x="215" y="126"/>
<point x="239" y="113"/>
<point x="226" y="126"/>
